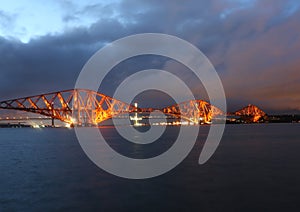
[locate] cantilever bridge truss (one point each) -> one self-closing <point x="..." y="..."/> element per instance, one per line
<point x="251" y="111"/>
<point x="86" y="107"/>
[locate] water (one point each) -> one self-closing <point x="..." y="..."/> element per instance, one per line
<point x="255" y="168"/>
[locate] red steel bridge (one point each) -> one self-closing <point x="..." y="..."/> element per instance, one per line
<point x="87" y="107"/>
<point x="252" y="112"/>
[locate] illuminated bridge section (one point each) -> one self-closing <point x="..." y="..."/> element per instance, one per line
<point x="253" y="112"/>
<point x="83" y="107"/>
<point x="196" y="111"/>
<point x="90" y="107"/>
<point x="77" y="106"/>
<point x="55" y="105"/>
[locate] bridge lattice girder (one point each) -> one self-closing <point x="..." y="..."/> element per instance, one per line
<point x="77" y="106"/>
<point x="194" y="111"/>
<point x="87" y="107"/>
<point x="54" y="104"/>
<point x="92" y="107"/>
<point x="251" y="111"/>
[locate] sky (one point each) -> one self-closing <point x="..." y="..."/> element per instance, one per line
<point x="253" y="45"/>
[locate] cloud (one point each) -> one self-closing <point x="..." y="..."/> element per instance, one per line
<point x="254" y="45"/>
<point x="6" y="21"/>
<point x="264" y="65"/>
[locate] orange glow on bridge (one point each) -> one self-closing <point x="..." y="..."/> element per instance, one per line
<point x="83" y="107"/>
<point x="251" y="111"/>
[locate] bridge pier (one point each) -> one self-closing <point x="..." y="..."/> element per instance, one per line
<point x="52" y="122"/>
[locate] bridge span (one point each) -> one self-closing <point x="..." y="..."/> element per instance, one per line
<point x="86" y="107"/>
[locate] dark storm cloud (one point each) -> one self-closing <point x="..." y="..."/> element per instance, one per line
<point x="39" y="66"/>
<point x="263" y="62"/>
<point x="254" y="45"/>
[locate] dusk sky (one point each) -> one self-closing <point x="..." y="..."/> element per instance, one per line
<point x="254" y="45"/>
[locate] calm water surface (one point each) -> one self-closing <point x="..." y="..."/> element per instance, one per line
<point x="255" y="168"/>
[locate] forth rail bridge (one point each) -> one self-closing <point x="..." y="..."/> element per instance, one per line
<point x="82" y="107"/>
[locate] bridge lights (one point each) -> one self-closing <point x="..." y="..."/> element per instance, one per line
<point x="73" y="120"/>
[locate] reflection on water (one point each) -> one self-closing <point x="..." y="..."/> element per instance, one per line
<point x="256" y="167"/>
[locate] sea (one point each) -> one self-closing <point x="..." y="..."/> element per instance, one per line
<point x="256" y="167"/>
